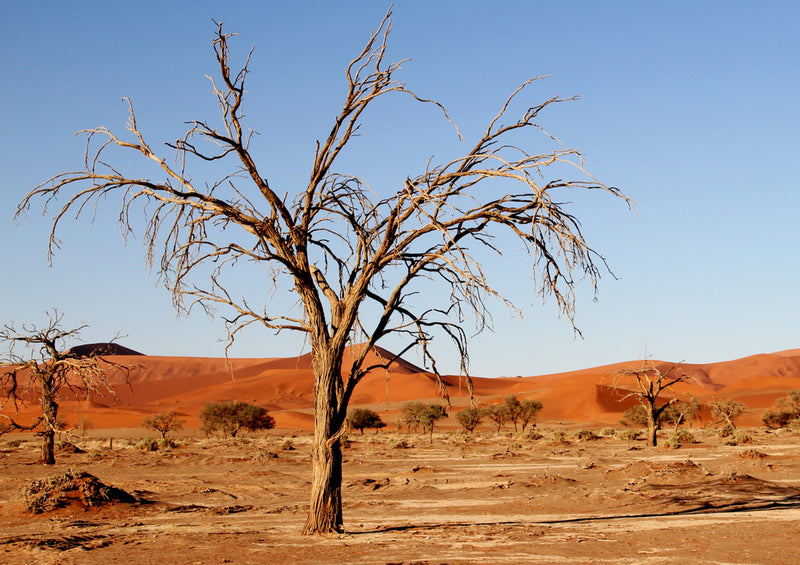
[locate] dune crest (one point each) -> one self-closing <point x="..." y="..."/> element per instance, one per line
<point x="285" y="387"/>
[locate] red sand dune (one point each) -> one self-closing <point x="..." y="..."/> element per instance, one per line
<point x="285" y="387"/>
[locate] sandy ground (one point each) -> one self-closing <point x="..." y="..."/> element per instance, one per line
<point x="489" y="498"/>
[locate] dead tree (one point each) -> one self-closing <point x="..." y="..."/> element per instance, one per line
<point x="649" y="382"/>
<point x="49" y="371"/>
<point x="355" y="258"/>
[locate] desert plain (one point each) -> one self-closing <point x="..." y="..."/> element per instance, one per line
<point x="492" y="496"/>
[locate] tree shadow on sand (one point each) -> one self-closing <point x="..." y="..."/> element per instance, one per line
<point x="728" y="495"/>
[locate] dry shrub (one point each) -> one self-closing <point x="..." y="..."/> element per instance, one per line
<point x="586" y="435"/>
<point x="55" y="492"/>
<point x="752" y="454"/>
<point x="398" y="443"/>
<point x="739" y="437"/>
<point x="147" y="444"/>
<point x="679" y="438"/>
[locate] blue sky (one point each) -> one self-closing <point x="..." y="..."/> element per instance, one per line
<point x="689" y="107"/>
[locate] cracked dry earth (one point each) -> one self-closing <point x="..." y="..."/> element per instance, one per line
<point x="495" y="499"/>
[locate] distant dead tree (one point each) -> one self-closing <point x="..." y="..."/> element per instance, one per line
<point x="354" y="257"/>
<point x="648" y="383"/>
<point x="47" y="371"/>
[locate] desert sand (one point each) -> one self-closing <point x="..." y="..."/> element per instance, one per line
<point x="285" y="387"/>
<point x="483" y="498"/>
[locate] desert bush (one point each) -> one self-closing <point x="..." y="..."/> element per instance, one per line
<point x="679" y="438"/>
<point x="163" y="422"/>
<point x="361" y="418"/>
<point x="470" y="418"/>
<point x="629" y="435"/>
<point x="752" y="454"/>
<point x="786" y="411"/>
<point x="147" y="444"/>
<point x="13" y="443"/>
<point x="229" y="417"/>
<point x="775" y="419"/>
<point x="739" y="437"/>
<point x="166" y="443"/>
<point x="726" y="431"/>
<point x="608" y="432"/>
<point x="462" y="436"/>
<point x="558" y="437"/>
<point x="532" y="435"/>
<point x="585" y="435"/>
<point x="54" y="492"/>
<point x="398" y="443"/>
<point x="287" y="445"/>
<point x="635" y="416"/>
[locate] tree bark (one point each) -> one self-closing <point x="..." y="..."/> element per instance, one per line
<point x="50" y="417"/>
<point x="652" y="428"/>
<point x="325" y="510"/>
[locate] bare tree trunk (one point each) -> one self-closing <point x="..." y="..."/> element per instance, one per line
<point x="50" y="416"/>
<point x="652" y="428"/>
<point x="325" y="510"/>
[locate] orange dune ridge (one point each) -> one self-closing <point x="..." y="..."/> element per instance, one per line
<point x="285" y="387"/>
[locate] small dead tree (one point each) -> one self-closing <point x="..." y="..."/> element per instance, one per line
<point x="48" y="372"/>
<point x="649" y="383"/>
<point x="355" y="258"/>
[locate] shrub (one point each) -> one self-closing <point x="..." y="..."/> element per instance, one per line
<point x="752" y="454"/>
<point x="398" y="443"/>
<point x="558" y="437"/>
<point x="461" y="436"/>
<point x="775" y="419"/>
<point x="635" y="416"/>
<point x="629" y="435"/>
<point x="147" y="444"/>
<point x="532" y="435"/>
<point x="470" y="418"/>
<point x="166" y="443"/>
<point x="679" y="438"/>
<point x="586" y="435"/>
<point x="360" y="418"/>
<point x="739" y="437"/>
<point x="229" y="417"/>
<point x="287" y="445"/>
<point x="608" y="432"/>
<point x="163" y="422"/>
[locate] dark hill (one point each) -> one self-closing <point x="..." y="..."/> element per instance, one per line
<point x="102" y="349"/>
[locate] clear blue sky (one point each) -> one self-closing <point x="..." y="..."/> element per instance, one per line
<point x="690" y="107"/>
